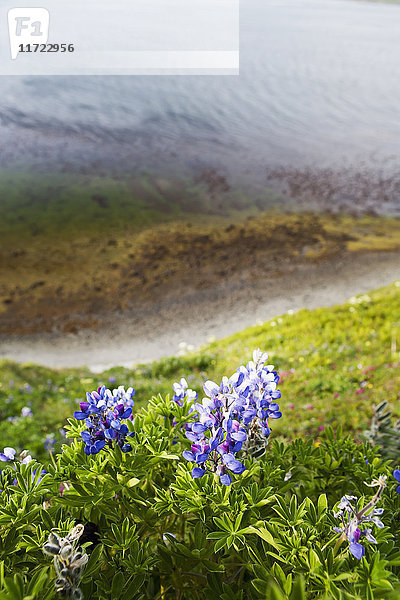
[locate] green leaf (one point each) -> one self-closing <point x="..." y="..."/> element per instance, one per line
<point x="343" y="577"/>
<point x="125" y="529"/>
<point x="38" y="475"/>
<point x="274" y="593"/>
<point x="117" y="533"/>
<point x="117" y="585"/>
<point x="168" y="456"/>
<point x="384" y="584"/>
<point x="132" y="482"/>
<point x="288" y="584"/>
<point x="313" y="560"/>
<point x="260" y="586"/>
<point x="263" y="534"/>
<point x="322" y="504"/>
<point x="134" y="586"/>
<point x="199" y="535"/>
<point x="92" y="565"/>
<point x="13" y="587"/>
<point x="216" y="535"/>
<point x="225" y="523"/>
<point x="238" y="521"/>
<point x="219" y="544"/>
<point x="212" y="566"/>
<point x="298" y="591"/>
<point x="47" y="520"/>
<point x="38" y="581"/>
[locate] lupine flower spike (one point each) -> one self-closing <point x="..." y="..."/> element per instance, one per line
<point x="230" y="415"/>
<point x="352" y="519"/>
<point x="103" y="412"/>
<point x="69" y="560"/>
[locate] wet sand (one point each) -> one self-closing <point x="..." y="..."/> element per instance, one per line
<point x="193" y="316"/>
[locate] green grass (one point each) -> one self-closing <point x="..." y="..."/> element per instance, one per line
<point x="335" y="364"/>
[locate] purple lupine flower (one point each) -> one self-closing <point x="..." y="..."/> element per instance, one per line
<point x="103" y="413"/>
<point x="122" y="434"/>
<point x="233" y="415"/>
<point x="125" y="396"/>
<point x="224" y="477"/>
<point x="198" y="472"/>
<point x="7" y="454"/>
<point x="94" y="441"/>
<point x="233" y="464"/>
<point x="26" y="412"/>
<point x="182" y="392"/>
<point x="352" y="518"/>
<point x="396" y="475"/>
<point x="355" y="548"/>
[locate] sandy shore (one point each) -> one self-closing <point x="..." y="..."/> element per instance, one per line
<point x="196" y="316"/>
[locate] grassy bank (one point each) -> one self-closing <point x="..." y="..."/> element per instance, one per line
<point x="335" y="363"/>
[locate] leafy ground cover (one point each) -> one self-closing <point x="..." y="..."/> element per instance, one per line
<point x="299" y="521"/>
<point x="334" y="363"/>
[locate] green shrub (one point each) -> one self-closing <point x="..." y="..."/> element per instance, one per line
<point x="160" y="534"/>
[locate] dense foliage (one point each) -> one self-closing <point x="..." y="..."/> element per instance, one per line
<point x="132" y="520"/>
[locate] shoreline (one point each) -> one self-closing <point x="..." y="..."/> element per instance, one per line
<point x="67" y="283"/>
<point x="126" y="338"/>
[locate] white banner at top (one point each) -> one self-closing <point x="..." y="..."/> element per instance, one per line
<point x="119" y="37"/>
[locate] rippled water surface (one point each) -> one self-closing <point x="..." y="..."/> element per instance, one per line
<point x="317" y="96"/>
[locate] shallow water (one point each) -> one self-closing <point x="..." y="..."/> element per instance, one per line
<point x="317" y="93"/>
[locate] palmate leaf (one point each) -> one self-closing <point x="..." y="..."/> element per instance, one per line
<point x="224" y="522"/>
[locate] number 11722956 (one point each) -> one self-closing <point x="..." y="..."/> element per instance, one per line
<point x="47" y="48"/>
